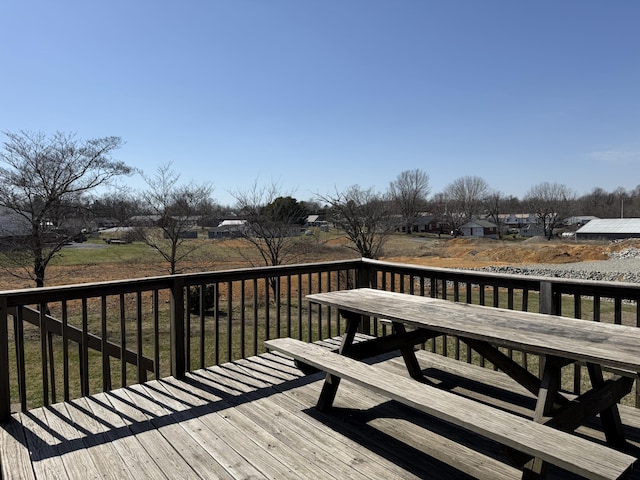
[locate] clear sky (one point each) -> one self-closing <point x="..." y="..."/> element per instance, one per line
<point x="318" y="95"/>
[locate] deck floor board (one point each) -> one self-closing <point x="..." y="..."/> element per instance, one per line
<point x="255" y="419"/>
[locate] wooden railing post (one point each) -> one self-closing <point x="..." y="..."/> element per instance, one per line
<point x="547" y="303"/>
<point x="5" y="390"/>
<point x="178" y="361"/>
<point x="548" y="299"/>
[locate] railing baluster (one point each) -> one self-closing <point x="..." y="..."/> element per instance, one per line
<point x="299" y="300"/>
<point x="52" y="370"/>
<point x="142" y="372"/>
<point x="255" y="316"/>
<point x="289" y="328"/>
<point x="276" y="299"/>
<point x="229" y="321"/>
<point x="321" y="308"/>
<point x="123" y="341"/>
<point x="156" y="333"/>
<point x="637" y="384"/>
<point x="267" y="309"/>
<point x="216" y="322"/>
<point x="617" y="317"/>
<point x="22" y="376"/>
<point x="5" y="383"/>
<point x="187" y="330"/>
<point x="202" y="307"/>
<point x="309" y="311"/>
<point x="329" y="310"/>
<point x="339" y="287"/>
<point x="84" y="351"/>
<point x="106" y="363"/>
<point x="243" y="319"/>
<point x="65" y="351"/>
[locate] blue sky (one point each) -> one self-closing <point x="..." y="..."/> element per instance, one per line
<point x="318" y="95"/>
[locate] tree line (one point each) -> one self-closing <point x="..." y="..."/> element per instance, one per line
<point x="51" y="184"/>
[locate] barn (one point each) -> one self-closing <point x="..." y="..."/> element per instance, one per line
<point x="609" y="229"/>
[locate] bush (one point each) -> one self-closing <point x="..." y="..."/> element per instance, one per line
<point x="194" y="299"/>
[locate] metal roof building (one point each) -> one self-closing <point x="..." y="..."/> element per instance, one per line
<point x="609" y="229"/>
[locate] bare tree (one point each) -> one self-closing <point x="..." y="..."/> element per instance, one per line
<point x="43" y="181"/>
<point x="552" y="203"/>
<point x="466" y="195"/>
<point x="364" y="215"/>
<point x="409" y="192"/>
<point x="495" y="205"/>
<point x="273" y="221"/>
<point x="117" y="206"/>
<point x="176" y="208"/>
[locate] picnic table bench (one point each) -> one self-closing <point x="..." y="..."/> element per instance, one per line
<point x="544" y="439"/>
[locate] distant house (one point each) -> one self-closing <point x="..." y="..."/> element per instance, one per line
<point x="579" y="220"/>
<point x="145" y="220"/>
<point x="13" y="224"/>
<point x="422" y="224"/>
<point x="518" y="220"/>
<point x="317" y="221"/>
<point x="479" y="228"/>
<point x="229" y="229"/>
<point x="609" y="229"/>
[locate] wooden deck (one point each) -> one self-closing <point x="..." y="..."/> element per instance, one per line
<point x="255" y="418"/>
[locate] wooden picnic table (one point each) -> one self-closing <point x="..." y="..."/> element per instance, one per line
<point x="559" y="340"/>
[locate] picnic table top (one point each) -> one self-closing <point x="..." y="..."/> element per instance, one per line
<point x="580" y="340"/>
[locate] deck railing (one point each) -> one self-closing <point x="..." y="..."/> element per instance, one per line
<point x="64" y="342"/>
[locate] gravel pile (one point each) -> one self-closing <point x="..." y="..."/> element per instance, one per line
<point x="622" y="266"/>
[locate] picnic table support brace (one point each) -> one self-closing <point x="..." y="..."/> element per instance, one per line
<point x="408" y="354"/>
<point x="610" y="417"/>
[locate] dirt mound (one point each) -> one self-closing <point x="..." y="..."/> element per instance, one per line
<point x="472" y="253"/>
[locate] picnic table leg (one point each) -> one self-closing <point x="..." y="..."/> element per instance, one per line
<point x="331" y="382"/>
<point x="611" y="423"/>
<point x="549" y="385"/>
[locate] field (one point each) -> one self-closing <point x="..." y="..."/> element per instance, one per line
<point x="96" y="261"/>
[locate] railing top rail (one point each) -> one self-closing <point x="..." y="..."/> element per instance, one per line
<point x="517" y="281"/>
<point x="561" y="285"/>
<point x="97" y="289"/>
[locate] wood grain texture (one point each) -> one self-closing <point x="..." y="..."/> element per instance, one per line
<point x="553" y="446"/>
<point x="605" y="344"/>
<point x="267" y="396"/>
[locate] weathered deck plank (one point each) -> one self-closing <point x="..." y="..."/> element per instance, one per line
<point x="255" y="418"/>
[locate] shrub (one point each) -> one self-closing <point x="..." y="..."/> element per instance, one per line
<point x="194" y="299"/>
